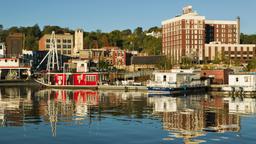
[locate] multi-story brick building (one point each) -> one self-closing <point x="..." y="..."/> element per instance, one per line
<point x="15" y="44"/>
<point x="65" y="43"/>
<point x="186" y="34"/>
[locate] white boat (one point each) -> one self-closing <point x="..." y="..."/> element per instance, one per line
<point x="176" y="80"/>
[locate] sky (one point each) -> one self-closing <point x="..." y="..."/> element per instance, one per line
<point x="108" y="15"/>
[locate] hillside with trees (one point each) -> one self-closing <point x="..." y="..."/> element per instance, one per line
<point x="125" y="39"/>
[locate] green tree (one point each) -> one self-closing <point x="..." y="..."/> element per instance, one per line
<point x="251" y="64"/>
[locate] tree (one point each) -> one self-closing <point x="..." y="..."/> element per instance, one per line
<point x="251" y="64"/>
<point x="164" y="63"/>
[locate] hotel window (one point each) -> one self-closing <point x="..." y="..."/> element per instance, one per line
<point x="47" y="46"/>
<point x="64" y="40"/>
<point x="69" y="41"/>
<point x="48" y="40"/>
<point x="64" y="46"/>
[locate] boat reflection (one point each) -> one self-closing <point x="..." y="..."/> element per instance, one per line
<point x="186" y="117"/>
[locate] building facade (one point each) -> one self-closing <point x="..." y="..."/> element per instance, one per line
<point x="184" y="35"/>
<point x="65" y="44"/>
<point x="15" y="44"/>
<point x="79" y="41"/>
<point x="230" y="52"/>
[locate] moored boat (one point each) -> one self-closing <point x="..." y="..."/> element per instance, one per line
<point x="176" y="81"/>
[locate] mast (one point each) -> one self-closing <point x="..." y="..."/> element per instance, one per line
<point x="52" y="55"/>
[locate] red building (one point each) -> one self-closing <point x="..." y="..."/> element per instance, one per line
<point x="186" y="35"/>
<point x="218" y="76"/>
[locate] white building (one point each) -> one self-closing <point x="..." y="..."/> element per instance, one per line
<point x="81" y="65"/>
<point x="9" y="63"/>
<point x="154" y="34"/>
<point x="176" y="78"/>
<point x="241" y="81"/>
<point x="79" y="41"/>
<point x="2" y="49"/>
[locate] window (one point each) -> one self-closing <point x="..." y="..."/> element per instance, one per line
<point x="64" y="46"/>
<point x="90" y="78"/>
<point x="69" y="41"/>
<point x="164" y="78"/>
<point x="48" y="40"/>
<point x="47" y="46"/>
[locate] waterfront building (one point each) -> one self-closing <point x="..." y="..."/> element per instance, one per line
<point x="65" y="44"/>
<point x="15" y="44"/>
<point x="13" y="69"/>
<point x="186" y="35"/>
<point x="139" y="63"/>
<point x="217" y="76"/>
<point x="241" y="82"/>
<point x="2" y="49"/>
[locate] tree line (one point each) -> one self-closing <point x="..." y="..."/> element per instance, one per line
<point x="125" y="39"/>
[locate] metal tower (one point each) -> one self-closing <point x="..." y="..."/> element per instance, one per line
<point x="53" y="60"/>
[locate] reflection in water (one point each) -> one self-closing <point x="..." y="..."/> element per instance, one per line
<point x="189" y="117"/>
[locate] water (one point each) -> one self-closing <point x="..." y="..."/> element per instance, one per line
<point x="33" y="116"/>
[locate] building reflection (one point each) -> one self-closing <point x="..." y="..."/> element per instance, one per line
<point x="15" y="103"/>
<point x="241" y="105"/>
<point x="188" y="117"/>
<point x="193" y="116"/>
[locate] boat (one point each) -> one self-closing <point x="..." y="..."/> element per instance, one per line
<point x="73" y="74"/>
<point x="12" y="70"/>
<point x="176" y="81"/>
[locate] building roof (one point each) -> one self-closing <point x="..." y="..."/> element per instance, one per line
<point x="148" y="60"/>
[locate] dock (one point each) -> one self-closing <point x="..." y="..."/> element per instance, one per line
<point x="121" y="87"/>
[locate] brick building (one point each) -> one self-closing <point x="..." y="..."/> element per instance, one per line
<point x="232" y="52"/>
<point x="65" y="43"/>
<point x="184" y="35"/>
<point x="14" y="44"/>
<point x="218" y="76"/>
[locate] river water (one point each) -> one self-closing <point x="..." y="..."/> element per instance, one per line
<point x="33" y="116"/>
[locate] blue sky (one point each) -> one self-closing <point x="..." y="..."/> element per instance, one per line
<point x="108" y="15"/>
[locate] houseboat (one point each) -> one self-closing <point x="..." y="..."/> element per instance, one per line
<point x="176" y="81"/>
<point x="241" y="82"/>
<point x="12" y="70"/>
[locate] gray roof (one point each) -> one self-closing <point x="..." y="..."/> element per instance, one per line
<point x="148" y="60"/>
